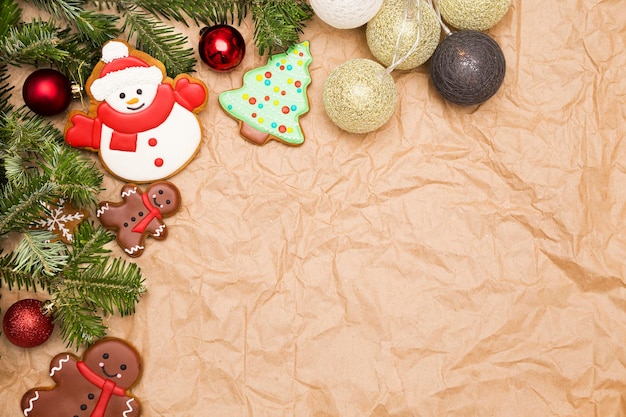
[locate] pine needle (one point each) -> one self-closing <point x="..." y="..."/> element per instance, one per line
<point x="160" y="41"/>
<point x="35" y="254"/>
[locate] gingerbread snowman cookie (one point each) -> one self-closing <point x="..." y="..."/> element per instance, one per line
<point x="96" y="386"/>
<point x="140" y="214"/>
<point x="143" y="124"/>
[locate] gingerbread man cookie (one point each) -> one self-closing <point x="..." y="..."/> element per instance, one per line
<point x="140" y="214"/>
<point x="97" y="386"/>
<point x="143" y="124"/>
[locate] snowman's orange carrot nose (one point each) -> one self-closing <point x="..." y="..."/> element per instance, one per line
<point x="132" y="101"/>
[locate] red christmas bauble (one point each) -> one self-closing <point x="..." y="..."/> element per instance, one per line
<point x="221" y="47"/>
<point x="25" y="325"/>
<point x="47" y="92"/>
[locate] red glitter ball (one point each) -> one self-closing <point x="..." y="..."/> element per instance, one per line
<point x="282" y="129"/>
<point x="252" y="100"/>
<point x="268" y="74"/>
<point x="285" y="109"/>
<point x="25" y="325"/>
<point x="298" y="84"/>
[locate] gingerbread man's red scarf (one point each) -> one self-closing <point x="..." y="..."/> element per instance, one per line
<point x="108" y="387"/>
<point x="153" y="212"/>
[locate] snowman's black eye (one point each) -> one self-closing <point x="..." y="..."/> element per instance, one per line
<point x="139" y="91"/>
<point x="122" y="95"/>
<point x="105" y="356"/>
<point x="123" y="367"/>
<point x="167" y="202"/>
<point x="160" y="191"/>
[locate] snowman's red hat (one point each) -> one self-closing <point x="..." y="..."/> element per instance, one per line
<point x="121" y="71"/>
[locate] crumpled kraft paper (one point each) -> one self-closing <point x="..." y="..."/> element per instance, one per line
<point x="456" y="262"/>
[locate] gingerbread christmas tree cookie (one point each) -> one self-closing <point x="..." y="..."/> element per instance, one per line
<point x="272" y="98"/>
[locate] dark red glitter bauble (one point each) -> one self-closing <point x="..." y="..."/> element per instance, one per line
<point x="47" y="92"/>
<point x="25" y="325"/>
<point x="221" y="47"/>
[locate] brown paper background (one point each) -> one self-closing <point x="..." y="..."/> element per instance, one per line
<point x="456" y="262"/>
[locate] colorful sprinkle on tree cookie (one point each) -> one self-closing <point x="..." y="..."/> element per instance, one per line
<point x="273" y="98"/>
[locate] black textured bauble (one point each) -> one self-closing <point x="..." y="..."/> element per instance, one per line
<point x="467" y="67"/>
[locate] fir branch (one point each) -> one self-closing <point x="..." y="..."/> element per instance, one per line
<point x="37" y="255"/>
<point x="111" y="287"/>
<point x="76" y="176"/>
<point x="30" y="43"/>
<point x="5" y="90"/>
<point x="88" y="244"/>
<point x="78" y="323"/>
<point x="277" y="24"/>
<point x="160" y="41"/>
<point x="10" y="15"/>
<point x="32" y="147"/>
<point x="96" y="28"/>
<point x="83" y="56"/>
<point x="23" y="135"/>
<point x="22" y="131"/>
<point x="204" y="11"/>
<point x="20" y="206"/>
<point x="19" y="279"/>
<point x="66" y="9"/>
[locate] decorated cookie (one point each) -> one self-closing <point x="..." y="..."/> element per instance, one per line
<point x="61" y="219"/>
<point x="142" y="123"/>
<point x="273" y="98"/>
<point x="140" y="214"/>
<point x="97" y="386"/>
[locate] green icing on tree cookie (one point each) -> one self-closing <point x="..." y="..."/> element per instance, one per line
<point x="273" y="97"/>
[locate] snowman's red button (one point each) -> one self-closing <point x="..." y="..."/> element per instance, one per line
<point x="158" y="162"/>
<point x="152" y="142"/>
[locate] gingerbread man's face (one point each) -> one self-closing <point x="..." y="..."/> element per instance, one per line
<point x="115" y="360"/>
<point x="164" y="196"/>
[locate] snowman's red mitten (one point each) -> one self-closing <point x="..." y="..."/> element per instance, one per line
<point x="189" y="94"/>
<point x="84" y="132"/>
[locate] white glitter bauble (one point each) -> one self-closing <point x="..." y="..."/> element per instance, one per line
<point x="360" y="96"/>
<point x="346" y="14"/>
<point x="384" y="29"/>
<point x="473" y="14"/>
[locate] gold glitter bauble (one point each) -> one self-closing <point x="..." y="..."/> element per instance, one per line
<point x="473" y="14"/>
<point x="384" y="29"/>
<point x="360" y="96"/>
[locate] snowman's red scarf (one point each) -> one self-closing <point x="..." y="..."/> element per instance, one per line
<point x="107" y="386"/>
<point x="126" y="126"/>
